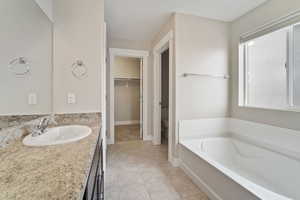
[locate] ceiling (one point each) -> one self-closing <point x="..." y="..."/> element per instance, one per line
<point x="140" y="20"/>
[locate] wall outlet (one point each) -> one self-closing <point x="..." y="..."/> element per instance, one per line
<point x="71" y="98"/>
<point x="32" y="99"/>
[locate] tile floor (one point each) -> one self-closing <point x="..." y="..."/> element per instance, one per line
<point x="137" y="170"/>
<point x="127" y="133"/>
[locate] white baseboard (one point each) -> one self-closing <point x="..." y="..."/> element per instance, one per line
<point x="132" y="122"/>
<point x="200" y="183"/>
<point x="108" y="141"/>
<point x="147" y="137"/>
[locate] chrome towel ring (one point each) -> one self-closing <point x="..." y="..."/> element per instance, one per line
<point x="79" y="70"/>
<point x="19" y="67"/>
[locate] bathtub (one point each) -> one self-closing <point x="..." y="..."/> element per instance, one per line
<point x="228" y="166"/>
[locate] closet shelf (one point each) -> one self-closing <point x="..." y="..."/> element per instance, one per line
<point x="127" y="79"/>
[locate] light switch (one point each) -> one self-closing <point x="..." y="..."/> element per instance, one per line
<point x="71" y="98"/>
<point x="32" y="99"/>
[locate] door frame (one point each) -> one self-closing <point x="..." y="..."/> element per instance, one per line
<point x="141" y="97"/>
<point x="160" y="47"/>
<point x="103" y="93"/>
<point x="133" y="54"/>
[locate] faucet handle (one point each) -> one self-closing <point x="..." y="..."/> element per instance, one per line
<point x="52" y="120"/>
<point x="42" y="122"/>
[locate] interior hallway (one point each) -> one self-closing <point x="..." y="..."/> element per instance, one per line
<point x="137" y="170"/>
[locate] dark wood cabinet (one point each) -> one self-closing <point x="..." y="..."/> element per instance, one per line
<point x="95" y="184"/>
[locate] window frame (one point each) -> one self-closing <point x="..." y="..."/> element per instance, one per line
<point x="290" y="69"/>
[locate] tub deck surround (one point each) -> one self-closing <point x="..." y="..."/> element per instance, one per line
<point x="249" y="160"/>
<point x="52" y="172"/>
<point x="281" y="140"/>
<point x="221" y="153"/>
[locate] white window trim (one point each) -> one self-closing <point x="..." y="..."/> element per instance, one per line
<point x="290" y="67"/>
<point x="243" y="85"/>
<point x="288" y="109"/>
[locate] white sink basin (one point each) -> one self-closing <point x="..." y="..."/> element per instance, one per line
<point x="58" y="135"/>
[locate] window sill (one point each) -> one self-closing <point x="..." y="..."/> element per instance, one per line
<point x="285" y="109"/>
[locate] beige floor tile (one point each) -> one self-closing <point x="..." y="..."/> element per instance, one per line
<point x="138" y="170"/>
<point x="161" y="189"/>
<point x="110" y="178"/>
<point x="184" y="186"/>
<point x="150" y="174"/>
<point x="134" y="192"/>
<point x="164" y="196"/>
<point x="196" y="197"/>
<point x="127" y="133"/>
<point x="112" y="193"/>
<point x="127" y="178"/>
<point x="171" y="171"/>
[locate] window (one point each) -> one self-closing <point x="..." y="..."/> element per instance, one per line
<point x="270" y="70"/>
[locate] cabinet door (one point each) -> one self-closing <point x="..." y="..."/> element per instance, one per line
<point x="91" y="187"/>
<point x="100" y="182"/>
<point x="99" y="188"/>
<point x="101" y="173"/>
<point x="96" y="191"/>
<point x="102" y="187"/>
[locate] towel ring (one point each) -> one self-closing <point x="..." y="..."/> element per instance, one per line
<point x="19" y="67"/>
<point x="79" y="70"/>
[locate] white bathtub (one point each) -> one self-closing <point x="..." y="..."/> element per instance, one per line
<point x="232" y="169"/>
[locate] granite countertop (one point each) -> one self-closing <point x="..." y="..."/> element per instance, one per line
<point x="54" y="172"/>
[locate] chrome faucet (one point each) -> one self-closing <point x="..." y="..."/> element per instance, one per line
<point x="42" y="126"/>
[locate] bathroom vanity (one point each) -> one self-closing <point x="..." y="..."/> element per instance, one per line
<point x="64" y="171"/>
<point x="39" y="162"/>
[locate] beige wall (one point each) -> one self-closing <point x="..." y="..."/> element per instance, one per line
<point x="47" y="7"/>
<point x="265" y="13"/>
<point x="127" y="93"/>
<point x="125" y="67"/>
<point x="127" y="101"/>
<point x="202" y="46"/>
<point x="129" y="44"/>
<point x="78" y="34"/>
<point x="25" y="31"/>
<point x="169" y="26"/>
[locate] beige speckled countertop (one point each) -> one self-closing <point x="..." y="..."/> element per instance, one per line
<point x="55" y="172"/>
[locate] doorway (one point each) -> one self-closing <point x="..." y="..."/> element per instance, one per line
<point x="128" y="95"/>
<point x="165" y="97"/>
<point x="163" y="116"/>
<point x="128" y="98"/>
